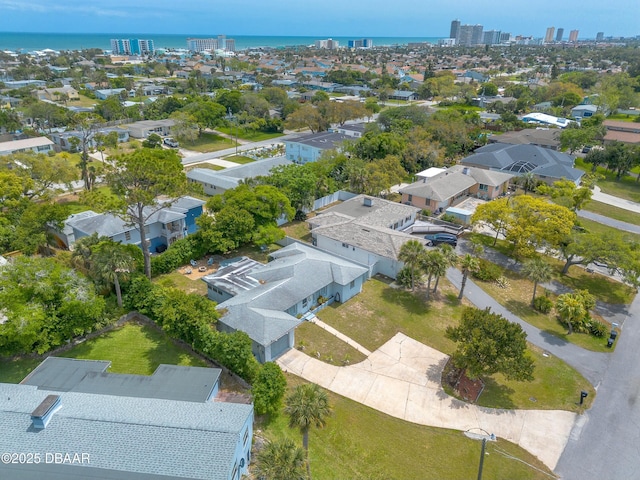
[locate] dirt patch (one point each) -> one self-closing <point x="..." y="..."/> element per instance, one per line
<point x="465" y="388"/>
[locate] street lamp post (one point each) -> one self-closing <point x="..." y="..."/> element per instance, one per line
<point x="484" y="436"/>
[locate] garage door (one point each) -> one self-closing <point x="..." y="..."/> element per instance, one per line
<point x="279" y="346"/>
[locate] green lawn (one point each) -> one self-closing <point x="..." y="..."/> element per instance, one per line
<point x="517" y="297"/>
<point x="319" y="343"/>
<point x="210" y="166"/>
<point x="132" y="348"/>
<point x="181" y="281"/>
<point x="627" y="187"/>
<point x="84" y="101"/>
<point x="613" y="212"/>
<point x="601" y="286"/>
<point x="209" y="142"/>
<point x="361" y="443"/>
<point x="622" y="117"/>
<point x="380" y="311"/>
<point x="298" y="229"/>
<point x="75" y="204"/>
<point x="250" y="136"/>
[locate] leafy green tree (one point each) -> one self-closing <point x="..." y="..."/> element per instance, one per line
<point x="573" y="309"/>
<point x="205" y="112"/>
<point x="488" y="89"/>
<point x="33" y="230"/>
<point x="152" y="141"/>
<point x="488" y="343"/>
<point x="614" y="250"/>
<point x="186" y="127"/>
<point x="468" y="264"/>
<point x="308" y="406"/>
<point x="268" y="389"/>
<point x="309" y="117"/>
<point x="566" y="191"/>
<point x="281" y="460"/>
<point x="137" y="180"/>
<point x="537" y="270"/>
<point x="86" y="125"/>
<point x="411" y="254"/>
<point x="45" y="305"/>
<point x="495" y="214"/>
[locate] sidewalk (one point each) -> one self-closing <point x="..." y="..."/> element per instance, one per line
<point x="614" y="201"/>
<point x="402" y="379"/>
<point x="341" y="336"/>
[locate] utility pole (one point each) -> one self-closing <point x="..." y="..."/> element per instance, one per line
<point x="484" y="444"/>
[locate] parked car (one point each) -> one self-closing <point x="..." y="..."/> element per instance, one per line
<point x="435" y="239"/>
<point x="170" y="142"/>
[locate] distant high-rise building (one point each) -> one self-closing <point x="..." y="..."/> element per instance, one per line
<point x="455" y="30"/>
<point x="600" y="36"/>
<point x="204" y="44"/>
<point x="492" y="37"/>
<point x="470" y="35"/>
<point x="559" y="34"/>
<point x="132" y="46"/>
<point x="505" y="37"/>
<point x="329" y="44"/>
<point x="548" y="38"/>
<point x="573" y="36"/>
<point x="360" y="43"/>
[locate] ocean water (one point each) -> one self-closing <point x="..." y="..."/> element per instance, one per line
<point x="25" y="42"/>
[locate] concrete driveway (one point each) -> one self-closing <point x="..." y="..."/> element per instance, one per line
<point x="402" y="379"/>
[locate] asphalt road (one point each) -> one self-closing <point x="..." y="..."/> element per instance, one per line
<point x="627" y="227"/>
<point x="605" y="443"/>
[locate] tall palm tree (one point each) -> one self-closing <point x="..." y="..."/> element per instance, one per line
<point x="434" y="264"/>
<point x="539" y="271"/>
<point x="282" y="460"/>
<point x="411" y="254"/>
<point x="528" y="181"/>
<point x="111" y="262"/>
<point x="450" y="258"/>
<point x="570" y="309"/>
<point x="307" y="406"/>
<point x="469" y="264"/>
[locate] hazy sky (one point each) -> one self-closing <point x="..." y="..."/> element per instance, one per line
<point x="324" y="18"/>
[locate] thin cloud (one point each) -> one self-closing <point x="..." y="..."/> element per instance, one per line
<point x="82" y="9"/>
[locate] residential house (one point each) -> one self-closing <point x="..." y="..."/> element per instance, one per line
<point x="65" y="140"/>
<point x="103" y="94"/>
<point x="544" y="119"/>
<point x="56" y="94"/>
<point x="144" y="128"/>
<point x="618" y="131"/>
<point x="542" y="137"/>
<point x="366" y="230"/>
<point x="170" y="424"/>
<point x="447" y="188"/>
<point x="268" y="302"/>
<point x="583" y="111"/>
<point x="403" y="95"/>
<point x="163" y="227"/>
<point x="309" y="148"/>
<point x="34" y="144"/>
<point x="355" y="130"/>
<point x="217" y="182"/>
<point x="546" y="164"/>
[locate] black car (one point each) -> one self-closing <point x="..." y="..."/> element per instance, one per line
<point x="438" y="238"/>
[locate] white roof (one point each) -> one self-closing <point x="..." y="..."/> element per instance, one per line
<point x="430" y="172"/>
<point x="8" y="147"/>
<point x="546" y="119"/>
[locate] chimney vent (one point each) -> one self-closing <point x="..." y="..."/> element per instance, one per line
<point x="367" y="201"/>
<point x="43" y="413"/>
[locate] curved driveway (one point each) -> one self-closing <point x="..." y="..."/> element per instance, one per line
<point x="402" y="379"/>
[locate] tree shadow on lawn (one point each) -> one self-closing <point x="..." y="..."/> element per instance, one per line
<point x="495" y="395"/>
<point x="407" y="300"/>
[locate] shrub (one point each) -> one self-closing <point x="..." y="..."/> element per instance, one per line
<point x="543" y="304"/>
<point x="404" y="277"/>
<point x="426" y="212"/>
<point x="598" y="329"/>
<point x="488" y="272"/>
<point x="178" y="253"/>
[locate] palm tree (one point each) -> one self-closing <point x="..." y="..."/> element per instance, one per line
<point x="451" y="260"/>
<point x="411" y="254"/>
<point x="282" y="460"/>
<point x="434" y="264"/>
<point x="469" y="265"/>
<point x="528" y="182"/>
<point x="111" y="262"/>
<point x="570" y="309"/>
<point x="307" y="406"/>
<point x="539" y="271"/>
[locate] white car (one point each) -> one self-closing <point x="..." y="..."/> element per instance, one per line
<point x="170" y="142"/>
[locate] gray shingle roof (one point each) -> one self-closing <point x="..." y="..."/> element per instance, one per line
<point x="322" y="140"/>
<point x="230" y="177"/>
<point x="149" y="436"/>
<point x="296" y="272"/>
<point x="499" y="156"/>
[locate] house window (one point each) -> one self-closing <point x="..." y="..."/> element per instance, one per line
<point x="345" y="245"/>
<point x="147" y="229"/>
<point x="395" y="226"/>
<point x="304" y="303"/>
<point x="410" y="198"/>
<point x="352" y="284"/>
<point x="483" y="187"/>
<point x="127" y="235"/>
<point x="246" y="436"/>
